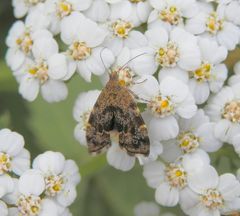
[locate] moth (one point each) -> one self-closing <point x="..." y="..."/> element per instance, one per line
<point x="116" y="110"/>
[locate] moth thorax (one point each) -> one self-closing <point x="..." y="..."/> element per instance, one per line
<point x="121" y="28"/>
<point x="188" y="141"/>
<point x="171" y="15"/>
<point x="203" y="73"/>
<point x="168" y="56"/>
<point x="176" y="175"/>
<point x="125" y="76"/>
<point x="231" y="111"/>
<point x="54" y="184"/>
<point x="79" y="51"/>
<point x="5" y="163"/>
<point x="29" y="205"/>
<point x="25" y="42"/>
<point x="212" y="199"/>
<point x="214" y="23"/>
<point x="40" y="71"/>
<point x="161" y="106"/>
<point x="64" y="8"/>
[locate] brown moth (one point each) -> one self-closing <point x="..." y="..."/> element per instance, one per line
<point x="116" y="110"/>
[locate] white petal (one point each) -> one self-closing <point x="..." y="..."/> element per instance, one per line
<point x="188" y="199"/>
<point x="15" y="58"/>
<point x="203" y="179"/>
<point x="175" y="72"/>
<point x="3" y="209"/>
<point x="119" y="159"/>
<point x="54" y="91"/>
<point x="158" y="37"/>
<point x="163" y="128"/>
<point x="43" y="48"/>
<point x="11" y="142"/>
<point x="57" y="66"/>
<point x="49" y="162"/>
<point x="68" y="196"/>
<point x="187" y="108"/>
<point x="153" y="172"/>
<point x="229" y="186"/>
<point x="167" y="195"/>
<point x="21" y="162"/>
<point x="28" y="181"/>
<point x="208" y="141"/>
<point x="29" y="87"/>
<point x="200" y="90"/>
<point x="84" y="71"/>
<point x="80" y="135"/>
<point x="6" y="185"/>
<point x="136" y="39"/>
<point x="221" y="130"/>
<point x="174" y="88"/>
<point x="71" y="172"/>
<point x="146" y="88"/>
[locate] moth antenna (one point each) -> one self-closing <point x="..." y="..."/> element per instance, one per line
<point x="137" y="97"/>
<point x="102" y="58"/>
<point x="131" y="60"/>
<point x="136" y="83"/>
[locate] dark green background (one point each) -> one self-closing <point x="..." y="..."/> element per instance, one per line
<point x="103" y="190"/>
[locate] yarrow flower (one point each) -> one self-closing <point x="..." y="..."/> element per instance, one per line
<point x="170" y="179"/>
<point x="218" y="195"/>
<point x="212" y="23"/>
<point x="171" y="13"/>
<point x="223" y="109"/>
<point x="172" y="56"/>
<point x="195" y="135"/>
<point x="165" y="101"/>
<point x="85" y="52"/>
<point x="47" y="189"/>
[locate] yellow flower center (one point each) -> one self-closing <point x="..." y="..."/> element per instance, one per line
<point x="25" y="42"/>
<point x="212" y="199"/>
<point x="171" y="15"/>
<point x="176" y="175"/>
<point x="168" y="56"/>
<point x="125" y="76"/>
<point x="231" y="111"/>
<point x="203" y="73"/>
<point x="188" y="142"/>
<point x="79" y="51"/>
<point x="29" y="205"/>
<point x="54" y="184"/>
<point x="5" y="163"/>
<point x="161" y="106"/>
<point x="85" y="116"/>
<point x="214" y="23"/>
<point x="64" y="8"/>
<point x="121" y="28"/>
<point x="40" y="71"/>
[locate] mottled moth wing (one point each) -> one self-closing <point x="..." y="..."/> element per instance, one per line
<point x="116" y="109"/>
<point x="133" y="135"/>
<point x="100" y="123"/>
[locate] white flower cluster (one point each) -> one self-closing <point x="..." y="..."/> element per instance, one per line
<point x="178" y="76"/>
<point x="48" y="188"/>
